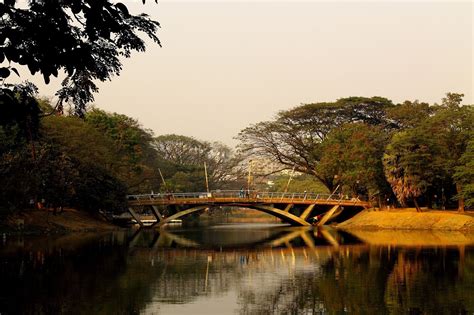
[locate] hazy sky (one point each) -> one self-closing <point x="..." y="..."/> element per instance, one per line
<point x="226" y="64"/>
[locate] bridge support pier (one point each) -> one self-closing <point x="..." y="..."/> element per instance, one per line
<point x="157" y="214"/>
<point x="135" y="216"/>
<point x="328" y="215"/>
<point x="306" y="212"/>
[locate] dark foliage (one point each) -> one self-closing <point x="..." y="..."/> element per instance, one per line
<point x="84" y="38"/>
<point x="19" y="108"/>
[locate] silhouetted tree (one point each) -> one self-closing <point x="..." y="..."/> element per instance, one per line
<point x="83" y="38"/>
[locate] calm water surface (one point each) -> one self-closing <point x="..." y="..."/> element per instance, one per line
<point x="236" y="269"/>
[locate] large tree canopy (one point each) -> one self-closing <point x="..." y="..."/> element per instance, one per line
<point x="83" y="38"/>
<point x="342" y="144"/>
<point x="294" y="138"/>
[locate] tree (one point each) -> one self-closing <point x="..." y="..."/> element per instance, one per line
<point x="298" y="184"/>
<point x="410" y="165"/>
<point x="63" y="171"/>
<point x="424" y="159"/>
<point x="353" y="153"/>
<point x="70" y="173"/>
<point x="182" y="150"/>
<point x="452" y="127"/>
<point x="185" y="158"/>
<point x="74" y="137"/>
<point x="136" y="161"/>
<point x="19" y="126"/>
<point x="465" y="173"/>
<point x="17" y="180"/>
<point x="294" y="138"/>
<point x="83" y="38"/>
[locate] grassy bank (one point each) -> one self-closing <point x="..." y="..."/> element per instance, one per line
<point x="409" y="219"/>
<point x="44" y="221"/>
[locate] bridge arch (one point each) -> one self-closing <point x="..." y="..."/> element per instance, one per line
<point x="182" y="214"/>
<point x="285" y="216"/>
<point x="281" y="214"/>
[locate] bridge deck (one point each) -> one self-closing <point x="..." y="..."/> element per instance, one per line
<point x="239" y="198"/>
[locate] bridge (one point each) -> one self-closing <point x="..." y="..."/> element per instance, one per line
<point x="298" y="209"/>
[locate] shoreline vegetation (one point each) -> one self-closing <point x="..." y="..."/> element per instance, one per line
<point x="367" y="148"/>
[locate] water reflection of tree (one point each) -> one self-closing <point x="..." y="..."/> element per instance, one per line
<point x="431" y="281"/>
<point x="90" y="278"/>
<point x="374" y="282"/>
<point x="103" y="275"/>
<point x="351" y="281"/>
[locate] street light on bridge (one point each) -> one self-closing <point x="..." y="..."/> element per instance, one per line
<point x="249" y="179"/>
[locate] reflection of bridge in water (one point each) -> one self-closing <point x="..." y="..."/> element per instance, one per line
<point x="229" y="238"/>
<point x="300" y="209"/>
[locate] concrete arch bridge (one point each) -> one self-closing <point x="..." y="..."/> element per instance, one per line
<point x="298" y="209"/>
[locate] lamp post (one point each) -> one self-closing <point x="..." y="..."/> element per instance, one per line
<point x="289" y="179"/>
<point x="249" y="179"/>
<point x="207" y="180"/>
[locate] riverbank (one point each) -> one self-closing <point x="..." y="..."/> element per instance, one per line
<point x="45" y="222"/>
<point x="409" y="219"/>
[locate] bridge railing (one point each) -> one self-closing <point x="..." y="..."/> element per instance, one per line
<point x="242" y="194"/>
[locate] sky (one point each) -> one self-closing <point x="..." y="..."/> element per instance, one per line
<point x="227" y="64"/>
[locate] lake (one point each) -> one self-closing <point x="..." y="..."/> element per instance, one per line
<point x="238" y="269"/>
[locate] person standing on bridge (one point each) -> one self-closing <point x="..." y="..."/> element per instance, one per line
<point x="241" y="193"/>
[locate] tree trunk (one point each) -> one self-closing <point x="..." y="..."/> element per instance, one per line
<point x="418" y="209"/>
<point x="430" y="201"/>
<point x="461" y="198"/>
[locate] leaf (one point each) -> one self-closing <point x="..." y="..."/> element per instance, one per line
<point x="23" y="60"/>
<point x="122" y="7"/>
<point x="2" y="56"/>
<point x="14" y="70"/>
<point x="4" y="72"/>
<point x="76" y="7"/>
<point x="33" y="67"/>
<point x="46" y="78"/>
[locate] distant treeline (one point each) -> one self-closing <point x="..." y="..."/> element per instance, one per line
<point x="408" y="154"/>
